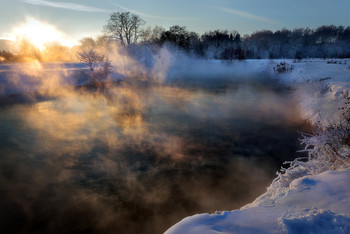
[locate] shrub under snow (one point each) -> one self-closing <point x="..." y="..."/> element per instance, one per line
<point x="328" y="148"/>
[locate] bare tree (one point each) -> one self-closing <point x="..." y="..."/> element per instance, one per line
<point x="99" y="65"/>
<point x="88" y="54"/>
<point x="90" y="58"/>
<point x="151" y="35"/>
<point x="124" y="27"/>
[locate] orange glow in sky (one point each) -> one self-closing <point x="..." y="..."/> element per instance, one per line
<point x="39" y="33"/>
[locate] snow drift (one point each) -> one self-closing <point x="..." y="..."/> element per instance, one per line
<point x="312" y="204"/>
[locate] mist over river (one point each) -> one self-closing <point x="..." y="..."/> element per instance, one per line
<point x="137" y="158"/>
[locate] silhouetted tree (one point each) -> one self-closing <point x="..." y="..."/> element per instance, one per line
<point x="220" y="44"/>
<point x="27" y="51"/>
<point x="177" y="35"/>
<point x="237" y="38"/>
<point x="124" y="26"/>
<point x="99" y="65"/>
<point x="7" y="56"/>
<point x="151" y="35"/>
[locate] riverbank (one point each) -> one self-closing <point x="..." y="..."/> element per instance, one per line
<point x="312" y="195"/>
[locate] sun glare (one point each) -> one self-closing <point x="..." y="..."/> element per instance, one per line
<point x="39" y="33"/>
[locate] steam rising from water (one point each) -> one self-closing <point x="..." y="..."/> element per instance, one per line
<point x="137" y="157"/>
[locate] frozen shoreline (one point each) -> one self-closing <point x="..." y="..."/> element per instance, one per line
<point x="310" y="203"/>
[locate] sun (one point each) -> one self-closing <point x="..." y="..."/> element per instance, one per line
<point x="39" y="33"/>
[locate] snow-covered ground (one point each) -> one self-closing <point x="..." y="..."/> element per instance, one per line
<point x="313" y="195"/>
<point x="312" y="204"/>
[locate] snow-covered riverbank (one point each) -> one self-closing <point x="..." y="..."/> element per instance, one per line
<point x="313" y="195"/>
<point x="312" y="204"/>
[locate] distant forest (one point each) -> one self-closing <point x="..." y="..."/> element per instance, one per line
<point x="323" y="42"/>
<point x="128" y="30"/>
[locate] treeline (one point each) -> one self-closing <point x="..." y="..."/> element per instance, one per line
<point x="323" y="42"/>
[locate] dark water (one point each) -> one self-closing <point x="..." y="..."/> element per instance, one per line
<point x="139" y="159"/>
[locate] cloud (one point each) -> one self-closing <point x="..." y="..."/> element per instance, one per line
<point x="247" y="15"/>
<point x="148" y="15"/>
<point x="66" y="5"/>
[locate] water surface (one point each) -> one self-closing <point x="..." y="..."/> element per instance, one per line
<point x="137" y="159"/>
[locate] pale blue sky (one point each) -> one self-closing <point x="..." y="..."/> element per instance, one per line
<point x="79" y="18"/>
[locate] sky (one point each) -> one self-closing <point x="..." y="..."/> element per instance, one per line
<point x="76" y="19"/>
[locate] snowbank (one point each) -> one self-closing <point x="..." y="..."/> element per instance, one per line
<point x="312" y="204"/>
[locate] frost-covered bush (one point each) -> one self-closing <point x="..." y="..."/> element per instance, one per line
<point x="283" y="67"/>
<point x="98" y="75"/>
<point x="94" y="55"/>
<point x="330" y="143"/>
<point x="336" y="62"/>
<point x="101" y="73"/>
<point x="99" y="66"/>
<point x="328" y="148"/>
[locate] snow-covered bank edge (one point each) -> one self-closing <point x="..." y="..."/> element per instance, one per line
<point x="311" y="195"/>
<point x="312" y="204"/>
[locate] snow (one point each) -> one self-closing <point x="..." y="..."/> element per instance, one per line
<point x="312" y="204"/>
<point x="311" y="196"/>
